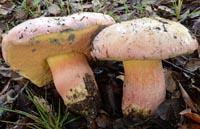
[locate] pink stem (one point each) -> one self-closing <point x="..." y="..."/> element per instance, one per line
<point x="144" y="87"/>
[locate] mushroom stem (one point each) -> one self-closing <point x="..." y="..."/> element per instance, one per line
<point x="70" y="72"/>
<point x="144" y="87"/>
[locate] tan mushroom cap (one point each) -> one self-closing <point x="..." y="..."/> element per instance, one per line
<point x="27" y="46"/>
<point x="145" y="38"/>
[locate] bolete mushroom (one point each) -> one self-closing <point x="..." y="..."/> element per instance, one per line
<point x="58" y="46"/>
<point x="25" y="35"/>
<point x="141" y="44"/>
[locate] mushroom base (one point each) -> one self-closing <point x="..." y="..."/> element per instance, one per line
<point x="144" y="87"/>
<point x="75" y="82"/>
<point x="90" y="106"/>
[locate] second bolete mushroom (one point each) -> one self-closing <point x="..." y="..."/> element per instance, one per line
<point x="141" y="44"/>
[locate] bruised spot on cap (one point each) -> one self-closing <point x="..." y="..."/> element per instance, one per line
<point x="33" y="50"/>
<point x="71" y="37"/>
<point x="54" y="41"/>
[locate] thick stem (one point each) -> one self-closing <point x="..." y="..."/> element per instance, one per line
<point x="71" y="74"/>
<point x="144" y="87"/>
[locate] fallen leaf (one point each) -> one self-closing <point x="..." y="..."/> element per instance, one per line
<point x="196" y="28"/>
<point x="3" y="1"/>
<point x="7" y="97"/>
<point x="169" y="110"/>
<point x="148" y="2"/>
<point x="192" y="64"/>
<point x="5" y="88"/>
<point x="190" y="126"/>
<point x="187" y="98"/>
<point x="188" y="113"/>
<point x="165" y="10"/>
<point x="199" y="51"/>
<point x="121" y="77"/>
<point x="54" y="9"/>
<point x="170" y="83"/>
<point x="198" y="89"/>
<point x="103" y="121"/>
<point x="6" y="8"/>
<point x="21" y="14"/>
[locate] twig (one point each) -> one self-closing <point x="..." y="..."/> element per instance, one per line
<point x="179" y="68"/>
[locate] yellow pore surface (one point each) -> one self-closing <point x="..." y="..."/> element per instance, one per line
<point x="29" y="58"/>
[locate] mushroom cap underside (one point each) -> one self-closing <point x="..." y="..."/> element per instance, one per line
<point x="29" y="58"/>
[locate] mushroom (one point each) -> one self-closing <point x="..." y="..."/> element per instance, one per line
<point x="141" y="44"/>
<point x="58" y="46"/>
<point x="25" y="35"/>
